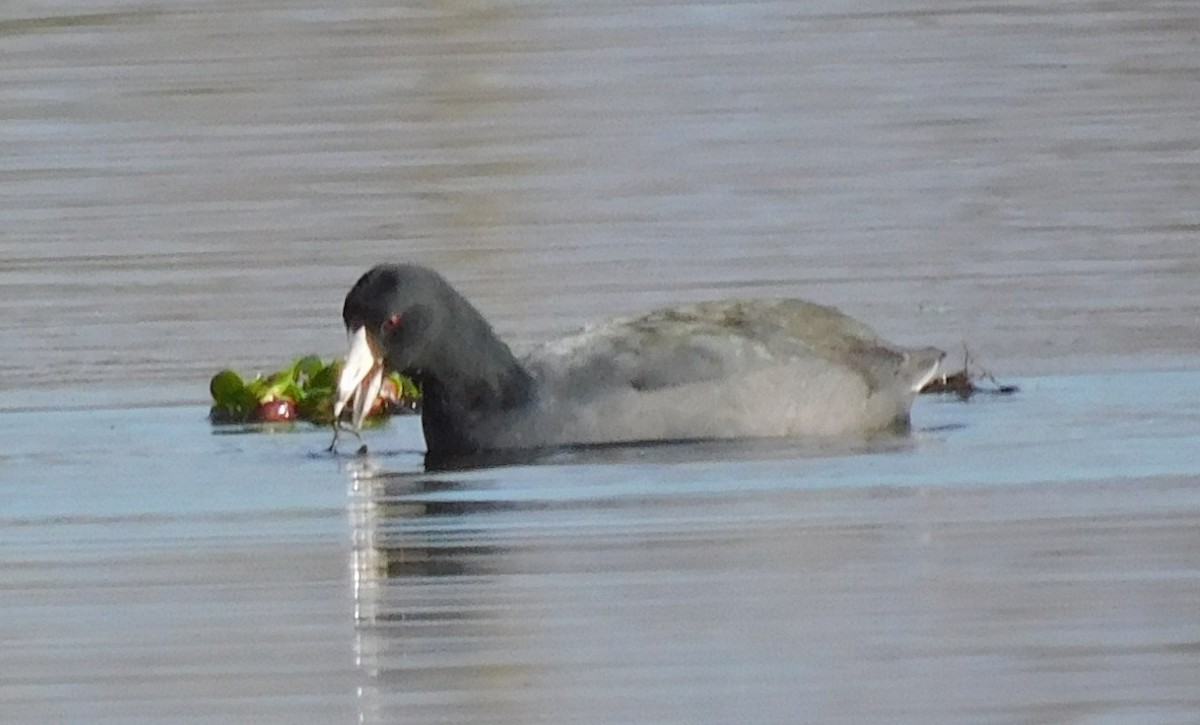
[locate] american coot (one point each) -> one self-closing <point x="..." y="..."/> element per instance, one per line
<point x="731" y="369"/>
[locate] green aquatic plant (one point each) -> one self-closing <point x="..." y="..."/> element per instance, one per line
<point x="304" y="390"/>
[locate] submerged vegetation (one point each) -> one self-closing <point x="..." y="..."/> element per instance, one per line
<point x="302" y="391"/>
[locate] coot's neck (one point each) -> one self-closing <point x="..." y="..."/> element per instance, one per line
<point x="472" y="378"/>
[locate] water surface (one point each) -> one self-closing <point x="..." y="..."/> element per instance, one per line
<point x="188" y="185"/>
<point x="963" y="573"/>
<point x="191" y="184"/>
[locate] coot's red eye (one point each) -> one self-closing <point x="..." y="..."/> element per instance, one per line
<point x="393" y="321"/>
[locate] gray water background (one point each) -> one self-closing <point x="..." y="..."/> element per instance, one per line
<point x="194" y="184"/>
<point x="189" y="185"/>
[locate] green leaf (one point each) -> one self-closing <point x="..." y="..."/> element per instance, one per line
<point x="308" y="366"/>
<point x="279" y="384"/>
<point x="317" y="406"/>
<point x="257" y="386"/>
<point x="326" y="377"/>
<point x="408" y="389"/>
<point x="226" y="387"/>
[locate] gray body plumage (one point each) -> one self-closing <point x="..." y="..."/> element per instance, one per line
<point x="731" y="369"/>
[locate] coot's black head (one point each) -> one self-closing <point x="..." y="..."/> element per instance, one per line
<point x="393" y="315"/>
<point x="407" y="318"/>
<point x="400" y="308"/>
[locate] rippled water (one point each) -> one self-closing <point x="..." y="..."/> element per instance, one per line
<point x="188" y="184"/>
<point x="1021" y="559"/>
<point x="191" y="185"/>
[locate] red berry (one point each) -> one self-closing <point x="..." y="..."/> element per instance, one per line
<point x="275" y="411"/>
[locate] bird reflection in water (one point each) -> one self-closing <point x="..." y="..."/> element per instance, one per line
<point x="426" y="616"/>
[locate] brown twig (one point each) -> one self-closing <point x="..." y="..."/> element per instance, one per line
<point x="963" y="383"/>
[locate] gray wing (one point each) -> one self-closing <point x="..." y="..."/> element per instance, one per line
<point x="617" y="356"/>
<point x="711" y="341"/>
<point x="717" y="370"/>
